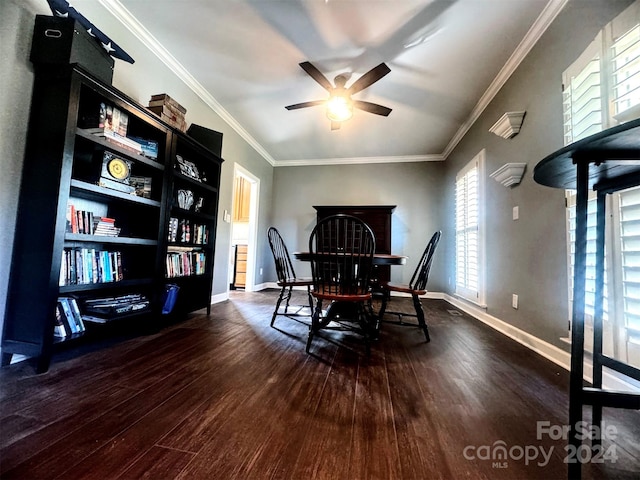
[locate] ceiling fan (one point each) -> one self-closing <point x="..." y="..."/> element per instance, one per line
<point x="340" y="105"/>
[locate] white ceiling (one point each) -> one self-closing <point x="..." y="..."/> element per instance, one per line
<point x="447" y="58"/>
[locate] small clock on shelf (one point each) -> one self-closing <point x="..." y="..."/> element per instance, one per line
<point x="116" y="173"/>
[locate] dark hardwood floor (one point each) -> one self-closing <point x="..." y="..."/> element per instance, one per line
<point x="228" y="397"/>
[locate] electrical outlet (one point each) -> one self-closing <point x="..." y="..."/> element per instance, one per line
<point x="514" y="301"/>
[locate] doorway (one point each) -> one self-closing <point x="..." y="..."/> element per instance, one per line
<point x="244" y="224"/>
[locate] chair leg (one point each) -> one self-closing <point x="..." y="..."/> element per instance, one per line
<point x="288" y="297"/>
<point x="383" y="308"/>
<point x="315" y="323"/>
<point x="420" y="314"/>
<point x="278" y="302"/>
<point x="365" y="325"/>
<point x="310" y="300"/>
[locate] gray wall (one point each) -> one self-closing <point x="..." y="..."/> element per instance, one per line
<point x="16" y="78"/>
<point x="528" y="256"/>
<point x="415" y="188"/>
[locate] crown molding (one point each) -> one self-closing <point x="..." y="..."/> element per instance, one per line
<point x="544" y="20"/>
<point x="358" y="160"/>
<point x="141" y="33"/>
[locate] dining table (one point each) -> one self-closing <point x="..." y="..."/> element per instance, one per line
<point x="342" y="309"/>
<point x="378" y="258"/>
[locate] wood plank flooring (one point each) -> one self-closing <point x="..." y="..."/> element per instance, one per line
<point x="228" y="397"/>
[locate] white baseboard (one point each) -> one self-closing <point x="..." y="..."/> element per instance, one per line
<point x="555" y="354"/>
<point x="220" y="297"/>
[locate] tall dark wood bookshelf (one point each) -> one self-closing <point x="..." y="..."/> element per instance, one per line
<point x="63" y="166"/>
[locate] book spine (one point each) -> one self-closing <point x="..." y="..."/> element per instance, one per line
<point x="73" y="327"/>
<point x="60" y="330"/>
<point x="76" y="313"/>
<point x="119" y="263"/>
<point x="64" y="270"/>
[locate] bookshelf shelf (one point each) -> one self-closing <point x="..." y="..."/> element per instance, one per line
<point x="78" y="239"/>
<point x="69" y="187"/>
<point x="193" y="215"/>
<point x="87" y="190"/>
<point x="115" y="148"/>
<point x="194" y="183"/>
<point x="126" y="284"/>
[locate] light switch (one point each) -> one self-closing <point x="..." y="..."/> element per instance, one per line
<point x="516" y="212"/>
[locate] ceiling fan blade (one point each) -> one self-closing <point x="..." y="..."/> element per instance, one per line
<point x="372" y="108"/>
<point x="317" y="76"/>
<point x="369" y="78"/>
<point x="335" y="125"/>
<point x="305" y="104"/>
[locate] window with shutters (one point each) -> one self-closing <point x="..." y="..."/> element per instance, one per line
<point x="469" y="231"/>
<point x="602" y="89"/>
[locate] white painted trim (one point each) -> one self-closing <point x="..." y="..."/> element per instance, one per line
<point x="548" y="351"/>
<point x="359" y="160"/>
<point x="544" y="20"/>
<point x="220" y="297"/>
<point x="551" y="10"/>
<point x="252" y="246"/>
<point x="141" y="33"/>
<point x="265" y="285"/>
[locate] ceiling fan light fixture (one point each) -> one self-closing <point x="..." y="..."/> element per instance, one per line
<point x="339" y="108"/>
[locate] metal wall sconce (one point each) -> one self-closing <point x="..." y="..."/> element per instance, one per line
<point x="509" y="174"/>
<point x="508" y="125"/>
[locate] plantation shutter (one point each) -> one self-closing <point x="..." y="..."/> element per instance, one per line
<point x="590" y="280"/>
<point x="467" y="232"/>
<point x="582" y="95"/>
<point x="626" y="71"/>
<point x="630" y="261"/>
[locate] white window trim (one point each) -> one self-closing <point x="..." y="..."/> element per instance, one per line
<point x="478" y="298"/>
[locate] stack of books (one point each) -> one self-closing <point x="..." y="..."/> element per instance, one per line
<point x="105" y="226"/>
<point x="169" y="110"/>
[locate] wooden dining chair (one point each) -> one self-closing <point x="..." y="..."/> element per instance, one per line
<point x="341" y="248"/>
<point x="287" y="279"/>
<point x="416" y="287"/>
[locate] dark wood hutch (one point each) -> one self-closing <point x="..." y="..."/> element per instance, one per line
<point x="378" y="217"/>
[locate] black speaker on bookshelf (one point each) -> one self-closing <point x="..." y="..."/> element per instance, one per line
<point x="207" y="137"/>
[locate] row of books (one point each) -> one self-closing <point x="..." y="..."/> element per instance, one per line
<point x="87" y="265"/>
<point x="182" y="264"/>
<point x="68" y="318"/>
<point x="84" y="221"/>
<point x="185" y="231"/>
